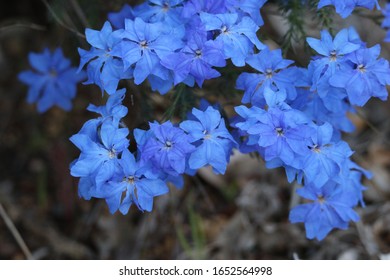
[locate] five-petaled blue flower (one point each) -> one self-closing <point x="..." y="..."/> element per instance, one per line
<point x="104" y="69"/>
<point x="134" y="183"/>
<point x="345" y="7"/>
<point x="274" y="75"/>
<point x="143" y="45"/>
<point x="213" y="141"/>
<point x="331" y="208"/>
<point x="52" y="82"/>
<point x="99" y="159"/>
<point x="364" y="77"/>
<point x="238" y="36"/>
<point x="167" y="147"/>
<point x="195" y="61"/>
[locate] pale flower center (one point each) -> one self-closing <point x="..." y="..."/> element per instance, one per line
<point x="268" y="73"/>
<point x="333" y="56"/>
<point x="279" y="131"/>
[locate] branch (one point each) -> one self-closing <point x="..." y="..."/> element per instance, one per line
<point x="10" y="225"/>
<point x="60" y="22"/>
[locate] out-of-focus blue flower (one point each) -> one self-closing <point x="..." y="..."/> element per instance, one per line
<point x="317" y="109"/>
<point x="331" y="208"/>
<point x="193" y="7"/>
<point x="249" y="8"/>
<point x="133" y="184"/>
<point x="213" y="141"/>
<point x="274" y="75"/>
<point x="53" y="81"/>
<point x="386" y="21"/>
<point x="118" y="19"/>
<point x="104" y="68"/>
<point x="166" y="11"/>
<point x="345" y="7"/>
<point x="238" y="36"/>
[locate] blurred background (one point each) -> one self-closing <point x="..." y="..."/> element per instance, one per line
<point x="242" y="215"/>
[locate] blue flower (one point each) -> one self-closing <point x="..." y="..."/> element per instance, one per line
<point x="318" y="109"/>
<point x="274" y="75"/>
<point x="326" y="157"/>
<point x="195" y="61"/>
<point x="331" y="208"/>
<point x="167" y="147"/>
<point x="167" y="11"/>
<point x="192" y="7"/>
<point x="246" y="118"/>
<point x="99" y="159"/>
<point x="322" y="102"/>
<point x="332" y="51"/>
<point x="281" y="134"/>
<point x="118" y="19"/>
<point x="52" y="82"/>
<point x="366" y="76"/>
<point x="104" y="69"/>
<point x="134" y="183"/>
<point x="237" y="35"/>
<point x="212" y="140"/>
<point x="112" y="111"/>
<point x="345" y="7"/>
<point x="247" y="8"/>
<point x="143" y="45"/>
<point x="350" y="179"/>
<point x="386" y="21"/>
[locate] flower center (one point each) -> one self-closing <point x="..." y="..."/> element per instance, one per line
<point x="268" y="73"/>
<point x="143" y="44"/>
<point x="165" y="7"/>
<point x="130" y="180"/>
<point x="321" y="199"/>
<point x="279" y="131"/>
<point x="198" y="53"/>
<point x="315" y="149"/>
<point x="168" y="145"/>
<point x="111" y="154"/>
<point x="333" y="55"/>
<point x="361" y="68"/>
<point x="53" y="73"/>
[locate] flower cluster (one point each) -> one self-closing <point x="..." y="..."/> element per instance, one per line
<point x="293" y="118"/>
<point x="108" y="170"/>
<point x="171" y="42"/>
<point x="294" y="121"/>
<point x="297" y="116"/>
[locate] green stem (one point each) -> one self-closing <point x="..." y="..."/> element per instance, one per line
<point x="177" y="97"/>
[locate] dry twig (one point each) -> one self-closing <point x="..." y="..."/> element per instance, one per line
<point x="10" y="225"/>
